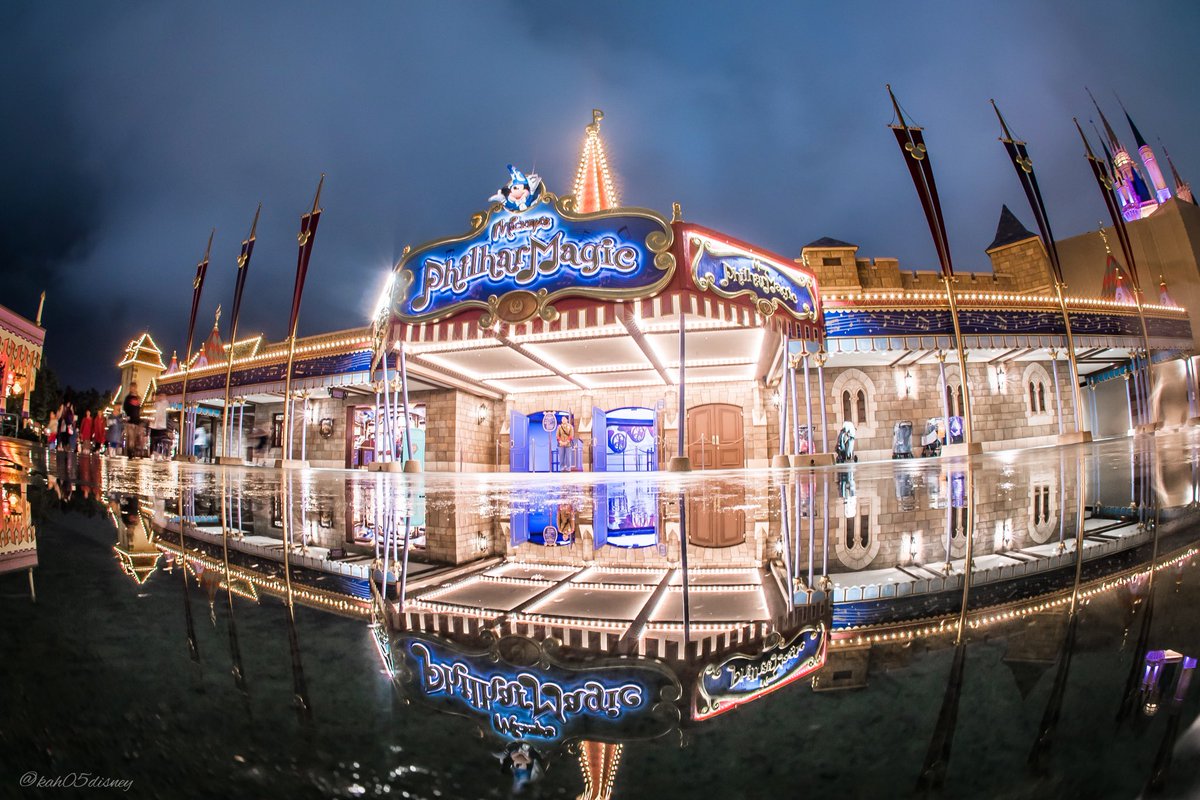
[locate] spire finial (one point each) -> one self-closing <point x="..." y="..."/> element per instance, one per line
<point x="594" y="189"/>
<point x="217" y="321"/>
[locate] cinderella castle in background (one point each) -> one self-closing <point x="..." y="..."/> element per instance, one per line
<point x="1139" y="197"/>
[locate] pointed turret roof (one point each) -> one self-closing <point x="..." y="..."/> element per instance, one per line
<point x="1137" y="135"/>
<point x="1164" y="297"/>
<point x="1009" y="230"/>
<point x="1182" y="190"/>
<point x="1115" y="287"/>
<point x="594" y="189"/>
<point x="142" y="350"/>
<point x="828" y="243"/>
<point x="1112" y="137"/>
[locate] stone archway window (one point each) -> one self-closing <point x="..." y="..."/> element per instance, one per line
<point x="1037" y="381"/>
<point x="855" y="393"/>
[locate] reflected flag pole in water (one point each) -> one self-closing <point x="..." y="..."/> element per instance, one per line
<point x="308" y="232"/>
<point x="1039" y="755"/>
<point x="937" y="757"/>
<point x="1023" y="164"/>
<point x="912" y="145"/>
<point x="235" y="651"/>
<point x="299" y="685"/>
<point x="197" y="288"/>
<point x="243" y="269"/>
<point x="1130" y="692"/>
<point x="185" y="509"/>
<point x="1105" y="183"/>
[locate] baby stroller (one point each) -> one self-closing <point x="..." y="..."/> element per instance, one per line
<point x="931" y="440"/>
<point x="902" y="439"/>
<point x="844" y="450"/>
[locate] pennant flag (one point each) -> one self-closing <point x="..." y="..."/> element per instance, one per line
<point x="912" y="145"/>
<point x="243" y="269"/>
<point x="1023" y="164"/>
<point x="197" y="288"/>
<point x="308" y="232"/>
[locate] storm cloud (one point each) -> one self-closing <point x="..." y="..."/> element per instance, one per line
<point x="132" y="129"/>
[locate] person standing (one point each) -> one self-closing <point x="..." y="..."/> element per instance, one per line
<point x="133" y="429"/>
<point x="52" y="429"/>
<point x="66" y="429"/>
<point x="98" y="433"/>
<point x="85" y="431"/>
<point x="564" y="435"/>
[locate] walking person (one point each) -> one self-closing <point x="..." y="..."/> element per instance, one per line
<point x="200" y="442"/>
<point x="66" y="429"/>
<point x="133" y="421"/>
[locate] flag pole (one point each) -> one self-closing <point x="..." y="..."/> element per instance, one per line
<point x="243" y="266"/>
<point x="1105" y="183"/>
<point x="197" y="288"/>
<point x="308" y="226"/>
<point x="912" y="144"/>
<point x="1024" y="166"/>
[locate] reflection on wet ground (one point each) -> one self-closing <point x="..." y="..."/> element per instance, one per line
<point x="1016" y="625"/>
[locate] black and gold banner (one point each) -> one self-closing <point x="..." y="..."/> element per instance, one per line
<point x="308" y="233"/>
<point x="912" y="145"/>
<point x="243" y="266"/>
<point x="197" y="288"/>
<point x="1023" y="164"/>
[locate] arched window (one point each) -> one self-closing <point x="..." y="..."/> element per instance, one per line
<point x="1032" y="397"/>
<point x="950" y="400"/>
<point x="1037" y="379"/>
<point x="857" y="394"/>
<point x="1041" y="397"/>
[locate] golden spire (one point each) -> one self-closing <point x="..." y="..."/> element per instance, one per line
<point x="594" y="189"/>
<point x="598" y="761"/>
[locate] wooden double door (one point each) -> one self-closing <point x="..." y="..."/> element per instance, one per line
<point x="716" y="439"/>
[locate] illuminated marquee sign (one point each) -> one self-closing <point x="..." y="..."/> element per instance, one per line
<point x="546" y="700"/>
<point x="515" y="264"/>
<point x="743" y="678"/>
<point x="731" y="271"/>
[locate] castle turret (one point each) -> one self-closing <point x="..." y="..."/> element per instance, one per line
<point x="1161" y="192"/>
<point x="594" y="189"/>
<point x="1182" y="190"/>
<point x="1131" y="189"/>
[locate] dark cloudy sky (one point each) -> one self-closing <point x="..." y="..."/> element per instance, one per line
<point x="132" y="128"/>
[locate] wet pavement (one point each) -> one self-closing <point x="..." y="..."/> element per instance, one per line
<point x="1015" y="625"/>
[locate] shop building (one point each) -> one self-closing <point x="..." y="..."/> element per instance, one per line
<point x="21" y="343"/>
<point x="625" y="323"/>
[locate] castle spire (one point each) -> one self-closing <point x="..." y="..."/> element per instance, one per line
<point x="1161" y="192"/>
<point x="1182" y="190"/>
<point x="1113" y="142"/>
<point x="594" y="189"/>
<point x="1164" y="298"/>
<point x="1131" y="189"/>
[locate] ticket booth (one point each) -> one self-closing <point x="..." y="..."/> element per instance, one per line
<point x="625" y="440"/>
<point x="534" y="447"/>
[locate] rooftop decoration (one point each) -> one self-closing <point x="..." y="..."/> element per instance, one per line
<point x="594" y="189"/>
